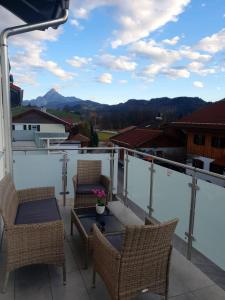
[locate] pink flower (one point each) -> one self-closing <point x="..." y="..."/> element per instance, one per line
<point x="99" y="193"/>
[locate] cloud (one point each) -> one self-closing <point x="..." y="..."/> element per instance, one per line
<point x="76" y="24"/>
<point x="163" y="60"/>
<point x="29" y="50"/>
<point x="105" y="78"/>
<point x="199" y="68"/>
<point x="176" y="73"/>
<point x="213" y="43"/>
<point x="137" y="19"/>
<point x="188" y="52"/>
<point x="172" y="41"/>
<point x="53" y="67"/>
<point x="155" y="52"/>
<point x="25" y="78"/>
<point x="79" y="62"/>
<point x="123" y="81"/>
<point x="198" y="84"/>
<point x="30" y="58"/>
<point x="118" y="63"/>
<point x="154" y="69"/>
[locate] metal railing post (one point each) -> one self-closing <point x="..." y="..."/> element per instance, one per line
<point x="150" y="207"/>
<point x="189" y="234"/>
<point x="126" y="160"/>
<point x="111" y="174"/>
<point x="64" y="178"/>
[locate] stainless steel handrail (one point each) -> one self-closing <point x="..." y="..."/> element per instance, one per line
<point x="154" y="158"/>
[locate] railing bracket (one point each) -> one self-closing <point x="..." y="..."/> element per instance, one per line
<point x="196" y="187"/>
<point x="64" y="193"/>
<point x="187" y="235"/>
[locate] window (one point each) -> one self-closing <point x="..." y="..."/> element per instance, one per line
<point x="218" y="142"/>
<point x="34" y="127"/>
<point x="29" y="126"/>
<point x="13" y="127"/>
<point x="197" y="163"/>
<point x="199" y="139"/>
<point x="24" y="127"/>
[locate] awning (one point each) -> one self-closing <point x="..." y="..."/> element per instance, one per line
<point x="35" y="11"/>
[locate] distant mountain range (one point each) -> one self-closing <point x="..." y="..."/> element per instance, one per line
<point x="53" y="99"/>
<point x="132" y="111"/>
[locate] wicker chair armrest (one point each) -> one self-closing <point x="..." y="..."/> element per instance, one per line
<point x="32" y="194"/>
<point x="34" y="236"/>
<point x="150" y="221"/>
<point x="105" y="181"/>
<point x="74" y="179"/>
<point x="106" y="258"/>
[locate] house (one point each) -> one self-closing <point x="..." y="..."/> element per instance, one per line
<point x="83" y="140"/>
<point x="164" y="143"/>
<point x="16" y="95"/>
<point x="39" y="127"/>
<point x="205" y="137"/>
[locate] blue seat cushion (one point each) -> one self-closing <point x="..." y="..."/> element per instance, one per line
<point x="116" y="240"/>
<point x="38" y="211"/>
<point x="87" y="188"/>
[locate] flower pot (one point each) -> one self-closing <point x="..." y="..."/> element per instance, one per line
<point x="100" y="209"/>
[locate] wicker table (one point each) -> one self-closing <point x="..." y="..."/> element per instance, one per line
<point x="84" y="218"/>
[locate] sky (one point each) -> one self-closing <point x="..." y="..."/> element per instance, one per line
<point x="110" y="51"/>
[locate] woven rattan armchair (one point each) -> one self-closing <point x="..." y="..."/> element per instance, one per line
<point x="89" y="177"/>
<point x="136" y="261"/>
<point x="30" y="238"/>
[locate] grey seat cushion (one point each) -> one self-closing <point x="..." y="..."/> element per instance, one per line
<point x="87" y="188"/>
<point x="38" y="211"/>
<point x="116" y="240"/>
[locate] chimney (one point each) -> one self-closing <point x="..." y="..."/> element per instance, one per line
<point x="43" y="108"/>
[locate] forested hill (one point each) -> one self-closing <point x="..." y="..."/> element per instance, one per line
<point x="131" y="112"/>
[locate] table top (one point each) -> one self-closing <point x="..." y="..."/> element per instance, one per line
<point x="107" y="222"/>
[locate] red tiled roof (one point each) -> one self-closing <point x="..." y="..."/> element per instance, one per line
<point x="211" y="116"/>
<point x="34" y="112"/>
<point x="15" y="87"/>
<point x="136" y="137"/>
<point x="127" y="129"/>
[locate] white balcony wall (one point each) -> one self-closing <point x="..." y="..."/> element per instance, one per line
<point x="138" y="182"/>
<point x="172" y="197"/>
<point x="210" y="222"/>
<point x="35" y="169"/>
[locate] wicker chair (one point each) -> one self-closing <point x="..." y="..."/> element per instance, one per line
<point x="136" y="261"/>
<point x="30" y="242"/>
<point x="88" y="178"/>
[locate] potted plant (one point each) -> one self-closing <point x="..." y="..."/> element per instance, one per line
<point x="100" y="200"/>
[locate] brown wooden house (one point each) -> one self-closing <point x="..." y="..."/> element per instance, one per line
<point x="205" y="131"/>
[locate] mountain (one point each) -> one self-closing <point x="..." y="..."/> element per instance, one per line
<point x="53" y="99"/>
<point x="131" y="112"/>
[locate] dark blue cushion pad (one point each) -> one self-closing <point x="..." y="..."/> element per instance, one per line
<point x="87" y="188"/>
<point x="38" y="211"/>
<point x="116" y="240"/>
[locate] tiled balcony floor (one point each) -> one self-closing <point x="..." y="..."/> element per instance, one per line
<point x="45" y="282"/>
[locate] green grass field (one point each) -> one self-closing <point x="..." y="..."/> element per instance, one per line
<point x="104" y="136"/>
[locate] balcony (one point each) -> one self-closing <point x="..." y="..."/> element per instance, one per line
<point x="147" y="188"/>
